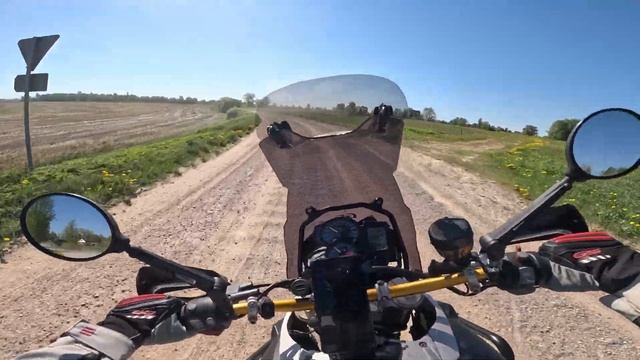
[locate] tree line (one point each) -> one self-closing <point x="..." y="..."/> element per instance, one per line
<point x="80" y="96"/>
<point x="559" y="130"/>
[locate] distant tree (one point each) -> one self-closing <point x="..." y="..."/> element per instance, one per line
<point x="265" y="101"/>
<point x="226" y="103"/>
<point x="560" y="129"/>
<point x="460" y="121"/>
<point x="363" y="110"/>
<point x="530" y="130"/>
<point x="340" y="107"/>
<point x="351" y="108"/>
<point x="249" y="99"/>
<point x="485" y="125"/>
<point x="70" y="232"/>
<point x="39" y="219"/>
<point x="429" y="114"/>
<point x="410" y="113"/>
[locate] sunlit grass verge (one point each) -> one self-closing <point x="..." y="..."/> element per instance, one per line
<point x="530" y="168"/>
<point x="116" y="175"/>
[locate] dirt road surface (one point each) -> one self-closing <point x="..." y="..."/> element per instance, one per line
<point x="60" y="129"/>
<point x="228" y="213"/>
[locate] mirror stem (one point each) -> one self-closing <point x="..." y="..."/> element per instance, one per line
<point x="495" y="242"/>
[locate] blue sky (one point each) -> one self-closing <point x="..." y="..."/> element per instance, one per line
<point x="509" y="62"/>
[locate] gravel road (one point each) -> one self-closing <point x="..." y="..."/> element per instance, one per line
<point x="227" y="214"/>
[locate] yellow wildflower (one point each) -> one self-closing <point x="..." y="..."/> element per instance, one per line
<point x="6" y="238"/>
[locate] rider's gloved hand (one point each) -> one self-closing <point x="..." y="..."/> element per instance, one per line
<point x="522" y="272"/>
<point x="596" y="260"/>
<point x="159" y="319"/>
<point x="144" y="319"/>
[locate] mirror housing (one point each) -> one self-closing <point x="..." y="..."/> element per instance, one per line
<point x="605" y="145"/>
<point x="89" y="221"/>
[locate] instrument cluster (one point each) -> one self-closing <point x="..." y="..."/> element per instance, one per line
<point x="344" y="236"/>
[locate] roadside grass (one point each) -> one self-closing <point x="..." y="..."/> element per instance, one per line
<point x="528" y="165"/>
<point x="116" y="175"/>
<point x="612" y="205"/>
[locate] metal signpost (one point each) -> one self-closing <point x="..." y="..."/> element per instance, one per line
<point x="33" y="50"/>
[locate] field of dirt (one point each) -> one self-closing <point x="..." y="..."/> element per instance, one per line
<point x="228" y="213"/>
<point x="62" y="129"/>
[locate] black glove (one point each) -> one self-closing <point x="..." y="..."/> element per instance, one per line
<point x="522" y="272"/>
<point x="158" y="318"/>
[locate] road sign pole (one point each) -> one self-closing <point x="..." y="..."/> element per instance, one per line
<point x="27" y="135"/>
<point x="33" y="50"/>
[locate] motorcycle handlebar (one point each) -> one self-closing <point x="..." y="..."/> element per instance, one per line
<point x="399" y="290"/>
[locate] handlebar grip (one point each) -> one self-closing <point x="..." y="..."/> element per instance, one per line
<point x="202" y="314"/>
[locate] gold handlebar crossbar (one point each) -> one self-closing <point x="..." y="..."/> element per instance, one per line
<point x="399" y="290"/>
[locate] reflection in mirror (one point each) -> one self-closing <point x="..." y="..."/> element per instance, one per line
<point x="68" y="226"/>
<point x="608" y="143"/>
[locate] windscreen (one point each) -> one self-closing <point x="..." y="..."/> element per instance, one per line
<point x="334" y="144"/>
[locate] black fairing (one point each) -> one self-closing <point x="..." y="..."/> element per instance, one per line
<point x="476" y="342"/>
<point x="554" y="221"/>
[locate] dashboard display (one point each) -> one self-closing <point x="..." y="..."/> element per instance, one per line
<point x="377" y="238"/>
<point x="342" y="229"/>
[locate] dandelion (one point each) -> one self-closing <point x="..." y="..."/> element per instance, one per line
<point x="6" y="238"/>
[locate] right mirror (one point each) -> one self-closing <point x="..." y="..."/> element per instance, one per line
<point x="606" y="144"/>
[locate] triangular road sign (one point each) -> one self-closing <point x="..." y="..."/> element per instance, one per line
<point x="34" y="49"/>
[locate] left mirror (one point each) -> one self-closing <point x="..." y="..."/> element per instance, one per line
<point x="67" y="226"/>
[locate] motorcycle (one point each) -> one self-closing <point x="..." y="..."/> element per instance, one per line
<point x="353" y="265"/>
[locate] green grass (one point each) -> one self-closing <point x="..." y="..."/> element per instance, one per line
<point x="613" y="205"/>
<point x="116" y="175"/>
<point x="529" y="165"/>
